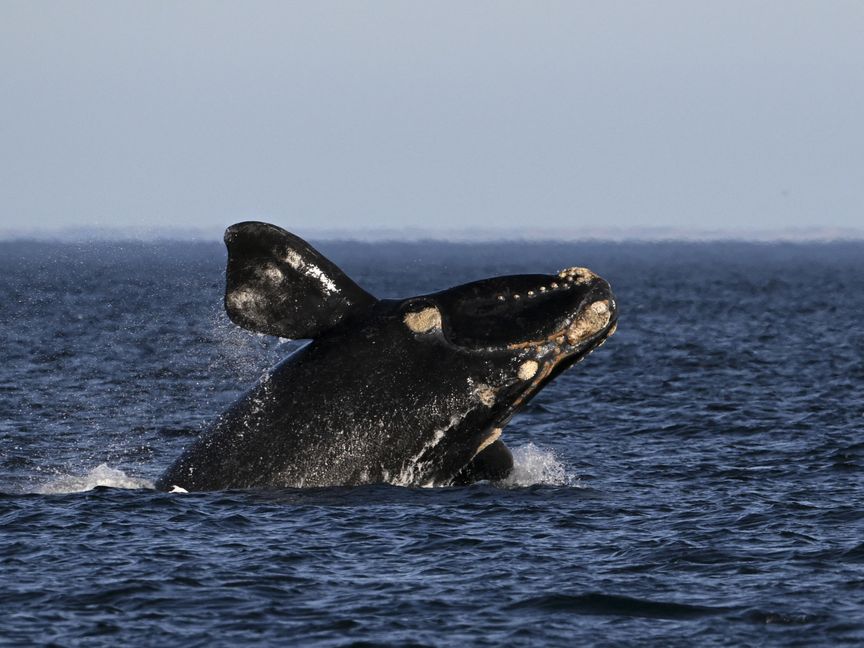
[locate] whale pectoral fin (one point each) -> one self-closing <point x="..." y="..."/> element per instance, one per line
<point x="494" y="462"/>
<point x="278" y="284"/>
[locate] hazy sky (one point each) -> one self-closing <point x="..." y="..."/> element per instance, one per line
<point x="702" y="114"/>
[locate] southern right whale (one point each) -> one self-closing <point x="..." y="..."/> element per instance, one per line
<point x="409" y="391"/>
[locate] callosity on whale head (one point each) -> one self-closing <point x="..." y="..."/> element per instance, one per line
<point x="411" y="392"/>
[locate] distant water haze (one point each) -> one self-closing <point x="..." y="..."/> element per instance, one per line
<point x="448" y="120"/>
<point x="475" y="234"/>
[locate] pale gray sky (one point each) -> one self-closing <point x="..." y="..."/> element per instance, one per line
<point x="321" y="115"/>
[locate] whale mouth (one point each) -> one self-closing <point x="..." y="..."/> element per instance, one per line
<point x="584" y="325"/>
<point x="599" y="323"/>
<point x="522" y="311"/>
<point x="539" y="325"/>
<point x="564" y="356"/>
<point x="554" y="356"/>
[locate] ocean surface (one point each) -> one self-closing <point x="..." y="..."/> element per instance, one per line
<point x="698" y="481"/>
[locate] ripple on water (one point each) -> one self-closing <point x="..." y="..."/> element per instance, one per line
<point x="719" y="447"/>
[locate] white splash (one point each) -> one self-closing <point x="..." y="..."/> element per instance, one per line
<point x="242" y="353"/>
<point x="101" y="475"/>
<point x="533" y="465"/>
<point x="414" y="467"/>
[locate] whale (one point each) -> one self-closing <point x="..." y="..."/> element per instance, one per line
<point x="411" y="392"/>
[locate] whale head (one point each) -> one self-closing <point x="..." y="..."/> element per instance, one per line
<point x="520" y="331"/>
<point x="555" y="318"/>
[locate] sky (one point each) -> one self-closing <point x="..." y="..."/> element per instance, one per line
<point x="439" y="116"/>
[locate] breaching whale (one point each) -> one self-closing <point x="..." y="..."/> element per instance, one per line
<point x="412" y="391"/>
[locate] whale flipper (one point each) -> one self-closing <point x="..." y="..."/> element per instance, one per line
<point x="278" y="284"/>
<point x="492" y="463"/>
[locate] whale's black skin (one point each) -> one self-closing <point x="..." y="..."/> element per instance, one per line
<point x="410" y="391"/>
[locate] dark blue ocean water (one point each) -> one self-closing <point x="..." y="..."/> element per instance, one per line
<point x="697" y="481"/>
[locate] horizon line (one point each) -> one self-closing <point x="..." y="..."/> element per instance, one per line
<point x="82" y="234"/>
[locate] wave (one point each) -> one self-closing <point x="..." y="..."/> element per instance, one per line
<point x="101" y="475"/>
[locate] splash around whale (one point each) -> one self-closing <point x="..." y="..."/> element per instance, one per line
<point x="412" y="392"/>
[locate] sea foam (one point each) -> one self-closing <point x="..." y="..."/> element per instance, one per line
<point x="101" y="475"/>
<point x="534" y="465"/>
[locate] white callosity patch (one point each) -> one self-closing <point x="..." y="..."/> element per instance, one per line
<point x="423" y="321"/>
<point x="528" y="369"/>
<point x="293" y="259"/>
<point x="566" y="279"/>
<point x="485" y="394"/>
<point x="577" y="275"/>
<point x="591" y="321"/>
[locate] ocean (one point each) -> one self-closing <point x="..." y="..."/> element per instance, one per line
<point x="698" y="481"/>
